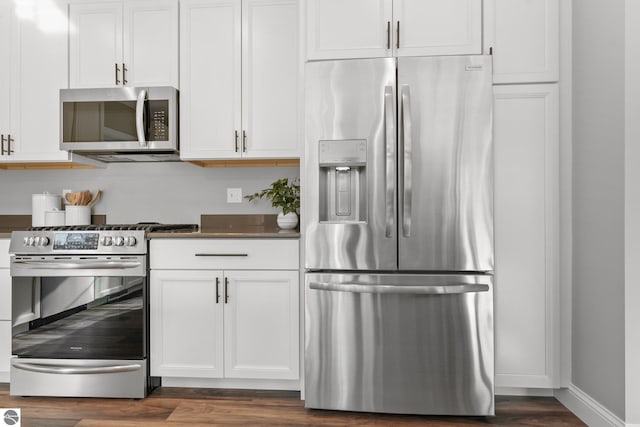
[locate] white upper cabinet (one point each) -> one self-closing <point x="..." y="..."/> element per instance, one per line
<point x="239" y="78"/>
<point x="33" y="42"/>
<point x="524" y="38"/>
<point x="131" y="43"/>
<point x="364" y="28"/>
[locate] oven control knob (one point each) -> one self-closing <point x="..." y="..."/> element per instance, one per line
<point x="131" y="241"/>
<point x="30" y="241"/>
<point x="42" y="241"/>
<point x="118" y="241"/>
<point x="106" y="241"/>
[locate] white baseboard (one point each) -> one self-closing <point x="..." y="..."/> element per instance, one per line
<point x="293" y="385"/>
<point x="588" y="409"/>
<point x="520" y="391"/>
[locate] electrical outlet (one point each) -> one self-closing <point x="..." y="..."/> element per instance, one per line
<point x="234" y="195"/>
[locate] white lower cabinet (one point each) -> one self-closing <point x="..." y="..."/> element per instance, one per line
<point x="5" y="311"/>
<point x="224" y="323"/>
<point x="526" y="235"/>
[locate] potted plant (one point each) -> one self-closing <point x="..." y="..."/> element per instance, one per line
<point x="285" y="194"/>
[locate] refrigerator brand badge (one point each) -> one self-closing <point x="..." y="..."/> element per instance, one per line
<point x="474" y="68"/>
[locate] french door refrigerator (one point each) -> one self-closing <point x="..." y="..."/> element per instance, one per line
<point x="398" y="223"/>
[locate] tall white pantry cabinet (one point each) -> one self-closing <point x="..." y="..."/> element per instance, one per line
<point x="523" y="37"/>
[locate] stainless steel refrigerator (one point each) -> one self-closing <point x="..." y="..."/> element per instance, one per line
<point x="398" y="224"/>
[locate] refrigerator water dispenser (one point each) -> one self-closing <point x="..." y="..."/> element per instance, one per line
<point x="343" y="192"/>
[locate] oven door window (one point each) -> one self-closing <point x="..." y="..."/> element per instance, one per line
<point x="80" y="318"/>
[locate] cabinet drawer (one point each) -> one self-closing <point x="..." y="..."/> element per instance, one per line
<point x="4" y="253"/>
<point x="229" y="254"/>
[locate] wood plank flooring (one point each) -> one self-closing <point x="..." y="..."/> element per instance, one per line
<point x="191" y="407"/>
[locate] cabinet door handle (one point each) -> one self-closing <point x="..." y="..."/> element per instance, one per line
<point x="398" y="36"/>
<point x="124" y="74"/>
<point x="9" y="149"/>
<point x="226" y="290"/>
<point x="217" y="290"/>
<point x="2" y="145"/>
<point x="236" y="140"/>
<point x="117" y="71"/>
<point x="388" y="34"/>
<point x="244" y="141"/>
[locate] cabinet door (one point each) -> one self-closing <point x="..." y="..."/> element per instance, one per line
<point x="186" y="323"/>
<point x="5" y="71"/>
<point x="210" y="79"/>
<point x="524" y="35"/>
<point x="270" y="77"/>
<point x="95" y="44"/>
<point x="261" y="325"/>
<point x="5" y="293"/>
<point x="39" y="71"/>
<point x="437" y="27"/>
<point x="151" y="42"/>
<point x="526" y="235"/>
<point x="5" y="350"/>
<point x="348" y="29"/>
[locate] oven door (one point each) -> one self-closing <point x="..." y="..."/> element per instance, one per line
<point x="118" y="119"/>
<point x="79" y="326"/>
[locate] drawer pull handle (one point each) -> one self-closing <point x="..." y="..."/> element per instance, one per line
<point x="216" y="254"/>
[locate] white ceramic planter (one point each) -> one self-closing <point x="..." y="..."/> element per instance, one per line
<point x="288" y="221"/>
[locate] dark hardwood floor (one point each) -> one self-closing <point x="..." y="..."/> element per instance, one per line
<point x="208" y="407"/>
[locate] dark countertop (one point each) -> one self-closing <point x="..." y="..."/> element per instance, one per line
<point x="232" y="227"/>
<point x="211" y="227"/>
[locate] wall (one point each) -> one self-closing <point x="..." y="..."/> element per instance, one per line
<point x="598" y="362"/>
<point x="632" y="212"/>
<point x="163" y="192"/>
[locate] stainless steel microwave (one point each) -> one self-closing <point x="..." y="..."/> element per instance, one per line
<point x="120" y="124"/>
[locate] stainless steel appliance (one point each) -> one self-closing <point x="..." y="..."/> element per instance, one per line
<point x="80" y="310"/>
<point x="399" y="235"/>
<point x="120" y="124"/>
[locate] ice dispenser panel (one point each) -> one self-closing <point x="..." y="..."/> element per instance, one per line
<point x="343" y="184"/>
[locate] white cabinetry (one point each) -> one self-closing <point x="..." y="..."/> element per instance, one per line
<point x="5" y="311"/>
<point x="239" y="78"/>
<point x="225" y="309"/>
<point x="364" y="28"/>
<point x="115" y="43"/>
<point x="33" y="45"/>
<point x="526" y="235"/>
<point x="524" y="38"/>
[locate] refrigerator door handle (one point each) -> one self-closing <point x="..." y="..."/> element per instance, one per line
<point x="390" y="144"/>
<point x="406" y="162"/>
<point x="450" y="289"/>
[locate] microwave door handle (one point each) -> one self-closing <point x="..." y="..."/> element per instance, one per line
<point x="142" y="95"/>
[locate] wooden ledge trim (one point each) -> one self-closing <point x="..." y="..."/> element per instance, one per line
<point x="242" y="163"/>
<point x="40" y="166"/>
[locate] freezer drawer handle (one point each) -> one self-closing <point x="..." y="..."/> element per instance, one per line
<point x="71" y="370"/>
<point x="363" y="288"/>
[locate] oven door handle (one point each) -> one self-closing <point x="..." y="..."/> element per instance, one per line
<point x="71" y="370"/>
<point x="80" y="265"/>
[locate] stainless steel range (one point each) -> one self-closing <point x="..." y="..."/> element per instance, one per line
<point x="80" y="310"/>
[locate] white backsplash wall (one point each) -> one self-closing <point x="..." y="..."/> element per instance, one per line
<point x="133" y="192"/>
